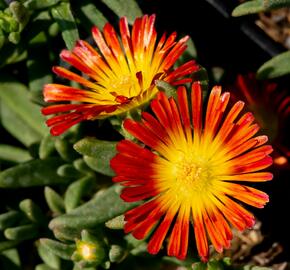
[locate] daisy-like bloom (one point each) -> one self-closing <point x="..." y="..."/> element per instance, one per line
<point x="191" y="170"/>
<point x="272" y="111"/>
<point x="120" y="75"/>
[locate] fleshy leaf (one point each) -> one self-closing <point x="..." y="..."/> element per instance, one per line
<point x="128" y="8"/>
<point x="17" y="127"/>
<point x="68" y="170"/>
<point x="13" y="153"/>
<point x="9" y="219"/>
<point x="76" y="191"/>
<point x="46" y="147"/>
<point x="4" y="245"/>
<point x="54" y="201"/>
<point x="10" y="259"/>
<point x="81" y="166"/>
<point x="33" y="173"/>
<point x="21" y="233"/>
<point x="97" y="154"/>
<point x="40" y="4"/>
<point x="43" y="266"/>
<point x="65" y="149"/>
<point x="63" y="251"/>
<point x="275" y="67"/>
<point x="104" y="206"/>
<point x="89" y="12"/>
<point x="66" y="21"/>
<point x="32" y="211"/>
<point x="10" y="54"/>
<point x="16" y="97"/>
<point x="20" y="13"/>
<point x="117" y="253"/>
<point x="38" y="72"/>
<point x="117" y="223"/>
<point x="169" y="90"/>
<point x="255" y="6"/>
<point x="48" y="257"/>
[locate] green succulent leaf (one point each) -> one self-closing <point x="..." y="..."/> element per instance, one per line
<point x="120" y="8"/>
<point x="50" y="259"/>
<point x="13" y="153"/>
<point x="66" y="21"/>
<point x="10" y="259"/>
<point x="12" y="54"/>
<point x="47" y="146"/>
<point x="14" y="37"/>
<point x="8" y="23"/>
<point x="54" y="201"/>
<point x="41" y="22"/>
<point x="38" y="72"/>
<point x="76" y="190"/>
<point x="68" y="170"/>
<point x="61" y="250"/>
<point x="106" y="205"/>
<point x="21" y="233"/>
<point x="9" y="219"/>
<point x="96" y="165"/>
<point x="255" y="6"/>
<point x="20" y="13"/>
<point x="97" y="154"/>
<point x="33" y="173"/>
<point x="44" y="266"/>
<point x="4" y="245"/>
<point x="65" y="149"/>
<point x="169" y="90"/>
<point x="16" y="96"/>
<point x="116" y="223"/>
<point x="81" y="166"/>
<point x="17" y="127"/>
<point x="276" y="67"/>
<point x="32" y="211"/>
<point x="89" y="12"/>
<point x="40" y="4"/>
<point x="67" y="234"/>
<point x="117" y="253"/>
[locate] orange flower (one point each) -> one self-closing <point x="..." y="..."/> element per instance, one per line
<point x="121" y="75"/>
<point x="272" y="110"/>
<point x="191" y="170"/>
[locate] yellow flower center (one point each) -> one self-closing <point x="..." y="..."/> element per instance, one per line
<point x="188" y="173"/>
<point x="193" y="175"/>
<point x="124" y="85"/>
<point x="87" y="251"/>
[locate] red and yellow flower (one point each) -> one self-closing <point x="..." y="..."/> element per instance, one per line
<point x="192" y="170"/>
<point x="272" y="111"/>
<point x="119" y="76"/>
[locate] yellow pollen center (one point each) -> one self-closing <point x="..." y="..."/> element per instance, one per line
<point x="124" y="85"/>
<point x="189" y="172"/>
<point x="192" y="176"/>
<point x="87" y="251"/>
